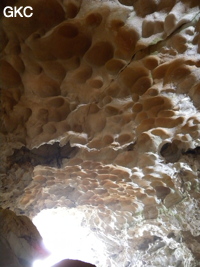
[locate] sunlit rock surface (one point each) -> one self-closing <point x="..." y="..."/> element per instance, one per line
<point x="20" y="241"/>
<point x="100" y="111"/>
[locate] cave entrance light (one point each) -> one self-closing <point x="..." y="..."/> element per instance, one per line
<point x="66" y="237"/>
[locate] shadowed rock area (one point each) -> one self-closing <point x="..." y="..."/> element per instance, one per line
<point x="47" y="155"/>
<point x="73" y="263"/>
<point x="20" y="241"/>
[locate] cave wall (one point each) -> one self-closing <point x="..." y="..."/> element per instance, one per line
<point x="100" y="112"/>
<point x="20" y="241"/>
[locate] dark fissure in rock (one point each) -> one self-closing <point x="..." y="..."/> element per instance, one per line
<point x="195" y="151"/>
<point x="47" y="155"/>
<point x="172" y="153"/>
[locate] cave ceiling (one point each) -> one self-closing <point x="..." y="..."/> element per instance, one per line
<point x="100" y="112"/>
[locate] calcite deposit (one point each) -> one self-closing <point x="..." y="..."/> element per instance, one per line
<point x="100" y="112"/>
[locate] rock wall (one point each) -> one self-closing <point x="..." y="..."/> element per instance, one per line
<point x="20" y="241"/>
<point x="73" y="263"/>
<point x="100" y="111"/>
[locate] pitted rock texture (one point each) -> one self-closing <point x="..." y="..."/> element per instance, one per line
<point x="20" y="241"/>
<point x="118" y="83"/>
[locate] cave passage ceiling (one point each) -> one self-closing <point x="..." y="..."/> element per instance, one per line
<point x="100" y="112"/>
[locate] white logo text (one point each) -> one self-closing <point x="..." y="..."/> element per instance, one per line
<point x="18" y="11"/>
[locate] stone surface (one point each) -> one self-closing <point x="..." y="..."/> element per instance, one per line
<point x="100" y="112"/>
<point x="73" y="263"/>
<point x="20" y="241"/>
<point x="8" y="258"/>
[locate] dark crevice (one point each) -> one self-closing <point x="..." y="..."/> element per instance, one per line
<point x="194" y="152"/>
<point x="47" y="155"/>
<point x="171" y="152"/>
<point x="130" y="147"/>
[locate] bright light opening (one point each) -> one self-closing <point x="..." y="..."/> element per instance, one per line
<point x="66" y="237"/>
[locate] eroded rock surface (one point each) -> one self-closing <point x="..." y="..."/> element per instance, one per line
<point x="118" y="83"/>
<point x="20" y="241"/>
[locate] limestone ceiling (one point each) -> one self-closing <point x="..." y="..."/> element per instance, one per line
<point x="100" y="111"/>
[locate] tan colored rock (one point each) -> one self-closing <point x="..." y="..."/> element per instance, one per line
<point x="100" y="111"/>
